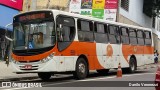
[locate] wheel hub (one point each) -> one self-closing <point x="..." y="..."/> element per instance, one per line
<point x="82" y="68"/>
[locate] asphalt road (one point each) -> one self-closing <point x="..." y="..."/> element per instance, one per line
<point x="95" y="81"/>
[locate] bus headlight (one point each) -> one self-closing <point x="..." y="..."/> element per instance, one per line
<point x="14" y="61"/>
<point x="44" y="60"/>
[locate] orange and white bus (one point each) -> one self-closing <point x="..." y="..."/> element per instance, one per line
<point x="51" y="41"/>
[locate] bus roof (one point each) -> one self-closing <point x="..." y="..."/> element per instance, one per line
<point x="89" y="18"/>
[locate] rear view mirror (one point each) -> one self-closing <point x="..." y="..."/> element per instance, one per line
<point x="7" y="35"/>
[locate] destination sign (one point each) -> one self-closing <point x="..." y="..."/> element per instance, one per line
<point x="31" y="17"/>
<point x="28" y="16"/>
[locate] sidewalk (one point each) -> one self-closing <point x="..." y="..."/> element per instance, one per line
<point x="6" y="73"/>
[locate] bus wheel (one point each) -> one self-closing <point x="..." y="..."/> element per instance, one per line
<point x="103" y="71"/>
<point x="132" y="65"/>
<point x="81" y="69"/>
<point x="44" y="75"/>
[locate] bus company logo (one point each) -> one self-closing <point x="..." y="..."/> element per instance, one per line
<point x="109" y="51"/>
<point x="135" y="49"/>
<point x="6" y="84"/>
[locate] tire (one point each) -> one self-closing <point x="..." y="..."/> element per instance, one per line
<point x="44" y="75"/>
<point x="103" y="71"/>
<point x="81" y="71"/>
<point x="132" y="65"/>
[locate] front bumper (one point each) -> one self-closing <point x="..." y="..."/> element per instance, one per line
<point x="38" y="66"/>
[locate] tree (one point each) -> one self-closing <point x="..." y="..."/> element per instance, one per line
<point x="47" y="6"/>
<point x="151" y="7"/>
<point x="156" y="8"/>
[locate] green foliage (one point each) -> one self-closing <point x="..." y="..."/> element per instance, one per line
<point x="156" y="8"/>
<point x="151" y="7"/>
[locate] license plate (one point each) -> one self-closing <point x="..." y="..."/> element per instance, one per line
<point x="28" y="66"/>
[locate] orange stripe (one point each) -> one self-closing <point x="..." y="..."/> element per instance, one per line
<point x="129" y="50"/>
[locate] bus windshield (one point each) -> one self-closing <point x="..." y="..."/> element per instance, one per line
<point x="34" y="35"/>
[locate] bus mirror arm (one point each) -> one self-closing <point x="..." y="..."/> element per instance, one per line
<point x="7" y="33"/>
<point x="8" y="38"/>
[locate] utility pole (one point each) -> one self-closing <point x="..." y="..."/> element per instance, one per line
<point x="118" y="10"/>
<point x="33" y="4"/>
<point x="68" y="4"/>
<point x="26" y="5"/>
<point x="48" y="4"/>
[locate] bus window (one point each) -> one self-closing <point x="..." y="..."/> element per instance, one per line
<point x="85" y="30"/>
<point x="140" y="37"/>
<point x="85" y="26"/>
<point x="133" y="35"/>
<point x="66" y="31"/>
<point x="114" y="35"/>
<point x="19" y="36"/>
<point x="100" y="28"/>
<point x="100" y="33"/>
<point x="148" y="40"/>
<point x="124" y="35"/>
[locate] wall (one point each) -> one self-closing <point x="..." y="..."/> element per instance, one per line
<point x="158" y="48"/>
<point x="136" y="15"/>
<point x="157" y="30"/>
<point x="43" y="4"/>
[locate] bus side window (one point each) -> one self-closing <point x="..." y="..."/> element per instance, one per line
<point x="85" y="30"/>
<point x="148" y="40"/>
<point x="140" y="37"/>
<point x="114" y="35"/>
<point x="124" y="35"/>
<point x="133" y="36"/>
<point x="65" y="31"/>
<point x="100" y="33"/>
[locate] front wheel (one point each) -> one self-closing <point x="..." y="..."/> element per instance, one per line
<point x="44" y="75"/>
<point x="81" y="71"/>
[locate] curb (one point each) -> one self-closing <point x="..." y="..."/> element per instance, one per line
<point x="18" y="79"/>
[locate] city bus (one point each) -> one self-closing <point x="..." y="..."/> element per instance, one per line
<point x="47" y="42"/>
